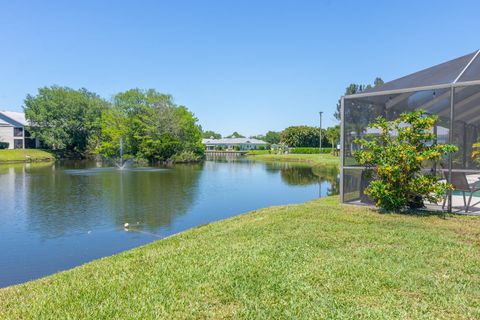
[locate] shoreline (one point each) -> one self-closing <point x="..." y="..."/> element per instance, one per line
<point x="246" y="265"/>
<point x="12" y="156"/>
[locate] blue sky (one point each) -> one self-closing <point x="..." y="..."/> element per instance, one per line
<point x="247" y="66"/>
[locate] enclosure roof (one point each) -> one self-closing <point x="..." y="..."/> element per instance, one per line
<point x="460" y="71"/>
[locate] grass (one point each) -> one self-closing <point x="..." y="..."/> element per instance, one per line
<point x="311" y="159"/>
<point x="311" y="261"/>
<point x="25" y="155"/>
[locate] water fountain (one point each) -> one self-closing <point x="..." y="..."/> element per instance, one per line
<point x="123" y="164"/>
<point x="119" y="165"/>
<point x="121" y="153"/>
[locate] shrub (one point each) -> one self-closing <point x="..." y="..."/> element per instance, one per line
<point x="261" y="147"/>
<point x="394" y="160"/>
<point x="186" y="156"/>
<point x="309" y="150"/>
<point x="476" y="152"/>
<point x="4" y="145"/>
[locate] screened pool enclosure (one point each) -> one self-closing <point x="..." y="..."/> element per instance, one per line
<point x="450" y="90"/>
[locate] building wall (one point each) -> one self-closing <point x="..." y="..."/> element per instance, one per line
<point x="6" y="135"/>
<point x="232" y="146"/>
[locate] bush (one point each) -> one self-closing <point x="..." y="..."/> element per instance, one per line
<point x="4" y="145"/>
<point x="309" y="150"/>
<point x="261" y="147"/>
<point x="394" y="160"/>
<point x="186" y="156"/>
<point x="476" y="152"/>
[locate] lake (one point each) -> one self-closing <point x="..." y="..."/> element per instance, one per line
<point x="57" y="216"/>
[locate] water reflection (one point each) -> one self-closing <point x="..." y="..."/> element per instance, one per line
<point x="81" y="199"/>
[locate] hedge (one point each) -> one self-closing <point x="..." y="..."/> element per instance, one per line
<point x="309" y="150"/>
<point x="4" y="145"/>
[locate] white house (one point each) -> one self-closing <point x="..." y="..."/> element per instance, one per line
<point x="233" y="143"/>
<point x="12" y="131"/>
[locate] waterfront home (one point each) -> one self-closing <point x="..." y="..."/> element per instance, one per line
<point x="13" y="131"/>
<point x="234" y="144"/>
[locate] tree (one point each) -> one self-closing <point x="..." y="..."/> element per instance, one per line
<point x="65" y="119"/>
<point x="272" y="137"/>
<point x="235" y="135"/>
<point x="333" y="134"/>
<point x="152" y="127"/>
<point x="302" y="136"/>
<point x="377" y="82"/>
<point x="211" y="134"/>
<point x="353" y="89"/>
<point x="394" y="159"/>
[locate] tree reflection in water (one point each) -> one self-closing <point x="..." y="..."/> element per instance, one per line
<point x="299" y="174"/>
<point x="82" y="199"/>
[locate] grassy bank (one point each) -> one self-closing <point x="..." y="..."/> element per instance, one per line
<point x="310" y="261"/>
<point x="25" y="155"/>
<point x="311" y="159"/>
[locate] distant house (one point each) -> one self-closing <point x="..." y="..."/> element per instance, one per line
<point x="13" y="131"/>
<point x="233" y="143"/>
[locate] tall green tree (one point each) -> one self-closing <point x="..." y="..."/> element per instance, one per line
<point x="333" y="135"/>
<point x="152" y="127"/>
<point x="272" y="137"/>
<point x="353" y="89"/>
<point x="302" y="136"/>
<point x="64" y="118"/>
<point x="211" y="134"/>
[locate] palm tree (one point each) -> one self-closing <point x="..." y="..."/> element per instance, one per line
<point x="333" y="134"/>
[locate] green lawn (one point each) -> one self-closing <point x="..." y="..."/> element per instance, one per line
<point x="311" y="261"/>
<point x="312" y="159"/>
<point x="22" y="155"/>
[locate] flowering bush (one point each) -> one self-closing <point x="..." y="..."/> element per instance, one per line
<point x="394" y="158"/>
<point x="476" y="152"/>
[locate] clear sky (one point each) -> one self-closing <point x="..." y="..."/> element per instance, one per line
<point x="247" y="66"/>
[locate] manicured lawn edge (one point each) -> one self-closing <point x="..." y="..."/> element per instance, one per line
<point x="25" y="155"/>
<point x="314" y="260"/>
<point x="310" y="159"/>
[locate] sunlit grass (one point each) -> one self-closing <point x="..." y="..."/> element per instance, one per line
<point x="311" y="261"/>
<point x="16" y="155"/>
<point x="312" y="159"/>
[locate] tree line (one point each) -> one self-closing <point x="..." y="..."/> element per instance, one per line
<point x="293" y="136"/>
<point x="80" y="123"/>
<point x="307" y="136"/>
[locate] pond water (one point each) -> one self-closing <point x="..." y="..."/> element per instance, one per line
<point x="58" y="216"/>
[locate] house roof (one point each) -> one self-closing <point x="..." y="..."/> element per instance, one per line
<point x="13" y="118"/>
<point x="233" y="141"/>
<point x="461" y="71"/>
<point x="4" y="123"/>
